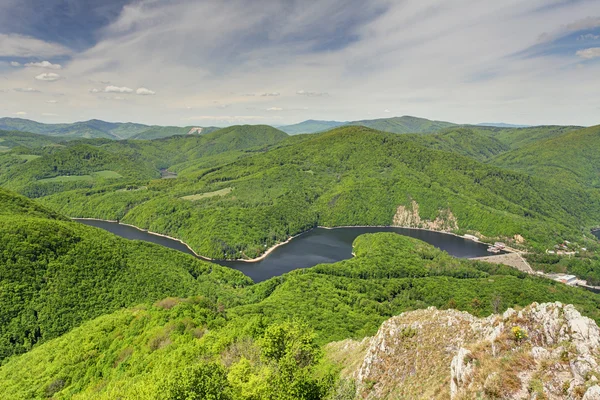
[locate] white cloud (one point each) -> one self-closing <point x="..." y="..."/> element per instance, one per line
<point x="20" y="113"/>
<point x="311" y="94"/>
<point x="43" y="64"/>
<point x="94" y="90"/>
<point x="48" y="77"/>
<point x="145" y="92"/>
<point x="272" y="94"/>
<point x="15" y="64"/>
<point x="399" y="58"/>
<point x="590" y="53"/>
<point x="13" y="45"/>
<point x="117" y="89"/>
<point x="52" y="101"/>
<point x="26" y="90"/>
<point x="46" y="114"/>
<point x="274" y="109"/>
<point x="588" y="36"/>
<point x="386" y="111"/>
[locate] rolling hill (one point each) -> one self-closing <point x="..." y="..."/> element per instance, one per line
<point x="570" y="157"/>
<point x="98" y="129"/>
<point x="55" y="274"/>
<point x="86" y="163"/>
<point x="405" y="124"/>
<point x="267" y="340"/>
<point x="347" y="176"/>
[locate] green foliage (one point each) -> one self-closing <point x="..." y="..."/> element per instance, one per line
<point x="405" y="124"/>
<point x="265" y="338"/>
<point x="198" y="382"/>
<point x="78" y="165"/>
<point x="465" y="141"/>
<point x="25" y="140"/>
<point x="586" y="267"/>
<point x="569" y="158"/>
<point x="55" y="274"/>
<point x="347" y="176"/>
<point x="96" y="129"/>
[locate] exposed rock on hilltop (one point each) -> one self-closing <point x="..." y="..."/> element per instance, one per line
<point x="545" y="351"/>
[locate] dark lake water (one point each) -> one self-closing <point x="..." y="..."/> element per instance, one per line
<point x="596" y="233"/>
<point x="317" y="246"/>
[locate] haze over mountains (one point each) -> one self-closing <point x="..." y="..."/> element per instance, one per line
<point x="121" y="131"/>
<point x="97" y="129"/>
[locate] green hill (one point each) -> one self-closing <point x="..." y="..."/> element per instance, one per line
<point x="158" y="132"/>
<point x="270" y="345"/>
<point x="97" y="129"/>
<point x="56" y="274"/>
<point x="571" y="157"/>
<point x="87" y="163"/>
<point x="465" y="141"/>
<point x="67" y="167"/>
<point x="405" y="124"/>
<point x="12" y="139"/>
<point x="167" y="152"/>
<point x="347" y="176"/>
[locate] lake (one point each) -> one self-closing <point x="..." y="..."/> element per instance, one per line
<point x="316" y="246"/>
<point x="596" y="233"/>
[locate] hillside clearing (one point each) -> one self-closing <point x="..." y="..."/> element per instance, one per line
<point x="194" y="197"/>
<point x="69" y="178"/>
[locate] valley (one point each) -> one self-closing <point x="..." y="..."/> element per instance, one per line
<point x="253" y="201"/>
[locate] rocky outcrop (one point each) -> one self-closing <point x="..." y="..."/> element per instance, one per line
<point x="547" y="351"/>
<point x="408" y="217"/>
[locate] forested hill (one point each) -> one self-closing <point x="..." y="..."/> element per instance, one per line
<point x="347" y="176"/>
<point x="261" y="341"/>
<point x="65" y="167"/>
<point x="12" y="139"/>
<point x="405" y="124"/>
<point x="56" y="274"/>
<point x="572" y="157"/>
<point x="98" y="129"/>
<point x="86" y="163"/>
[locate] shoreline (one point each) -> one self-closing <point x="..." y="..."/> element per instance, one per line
<point x="146" y="231"/>
<point x="272" y="248"/>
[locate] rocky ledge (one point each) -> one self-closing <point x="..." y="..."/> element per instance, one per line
<point x="544" y="351"/>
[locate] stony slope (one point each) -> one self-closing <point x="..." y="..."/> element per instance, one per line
<point x="544" y="351"/>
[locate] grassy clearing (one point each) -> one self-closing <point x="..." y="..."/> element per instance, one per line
<point x="92" y="176"/>
<point x="4" y="148"/>
<point x="107" y="174"/>
<point x="199" y="196"/>
<point x="28" y="157"/>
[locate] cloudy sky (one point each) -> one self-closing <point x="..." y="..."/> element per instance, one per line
<point x="220" y="62"/>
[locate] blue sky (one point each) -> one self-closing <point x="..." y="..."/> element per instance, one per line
<point x="221" y="62"/>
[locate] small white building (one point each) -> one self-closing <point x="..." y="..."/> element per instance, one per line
<point x="566" y="279"/>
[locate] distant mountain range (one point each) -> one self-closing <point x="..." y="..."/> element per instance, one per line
<point x="503" y="125"/>
<point x="405" y="124"/>
<point x="119" y="131"/>
<point x="100" y="129"/>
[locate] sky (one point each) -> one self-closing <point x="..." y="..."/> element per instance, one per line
<point x="225" y="62"/>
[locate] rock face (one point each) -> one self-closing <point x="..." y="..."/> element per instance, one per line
<point x="544" y="351"/>
<point x="408" y="216"/>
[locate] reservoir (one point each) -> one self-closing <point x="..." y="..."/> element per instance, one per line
<point x="596" y="233"/>
<point x="317" y="246"/>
